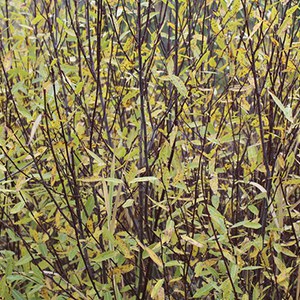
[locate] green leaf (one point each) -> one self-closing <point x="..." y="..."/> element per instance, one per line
<point x="143" y="179"/>
<point x="288" y="252"/>
<point x="179" y="84"/>
<point x="252" y="154"/>
<point x="204" y="291"/>
<point x="72" y="253"/>
<point x="105" y="256"/>
<point x="18" y="207"/>
<point x="128" y="203"/>
<point x="108" y="235"/>
<point x="130" y="95"/>
<point x="35" y="289"/>
<point x="115" y="181"/>
<point x="17" y="295"/>
<point x="79" y="87"/>
<point x="24" y="260"/>
<point x="69" y="68"/>
<point x="214" y="212"/>
<point x="251" y="224"/>
<point x="43" y="248"/>
<point x="253" y="209"/>
<point x="3" y="287"/>
<point x="217" y="219"/>
<point x="234" y="270"/>
<point x="173" y="263"/>
<point x="286" y="110"/>
<point x="156" y="288"/>
<point x="25" y="113"/>
<point x="38" y="275"/>
<point x="247" y="224"/>
<point x="36" y="20"/>
<point x="112" y="180"/>
<point x="13" y="237"/>
<point x="95" y="157"/>
<point x="89" y="205"/>
<point x="227" y="289"/>
<point x="16" y="277"/>
<point x="250" y="268"/>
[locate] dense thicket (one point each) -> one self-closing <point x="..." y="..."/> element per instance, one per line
<point x="149" y="149"/>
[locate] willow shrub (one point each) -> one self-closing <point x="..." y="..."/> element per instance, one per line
<point x="149" y="149"/>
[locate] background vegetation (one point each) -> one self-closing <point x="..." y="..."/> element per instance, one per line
<point x="149" y="149"/>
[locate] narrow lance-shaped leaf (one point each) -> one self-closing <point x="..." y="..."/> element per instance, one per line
<point x="179" y="84"/>
<point x="151" y="254"/>
<point x="34" y="127"/>
<point x="287" y="111"/>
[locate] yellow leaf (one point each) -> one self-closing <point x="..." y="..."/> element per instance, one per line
<point x="35" y="235"/>
<point x="90" y="225"/>
<point x="112" y="2"/>
<point x="245" y="297"/>
<point x="44" y="293"/>
<point x="171" y="25"/>
<point x="123" y="269"/>
<point x="255" y="28"/>
<point x="154" y="257"/>
<point x="210" y="262"/>
<point x="283" y="278"/>
<point x="215" y="26"/>
<point x="192" y="241"/>
<point x="151" y="254"/>
<point x="213" y="182"/>
<point x="245" y="104"/>
<point x="41" y="150"/>
<point x="57" y="219"/>
<point x="7" y="62"/>
<point x="212" y="62"/>
<point x="265" y="258"/>
<point x="161" y="294"/>
<point x="20" y="182"/>
<point x="123" y="247"/>
<point x="45" y="238"/>
<point x="280" y="161"/>
<point x="53" y="175"/>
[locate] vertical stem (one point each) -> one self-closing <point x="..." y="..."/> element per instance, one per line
<point x="143" y="156"/>
<point x="99" y="93"/>
<point x="176" y="56"/>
